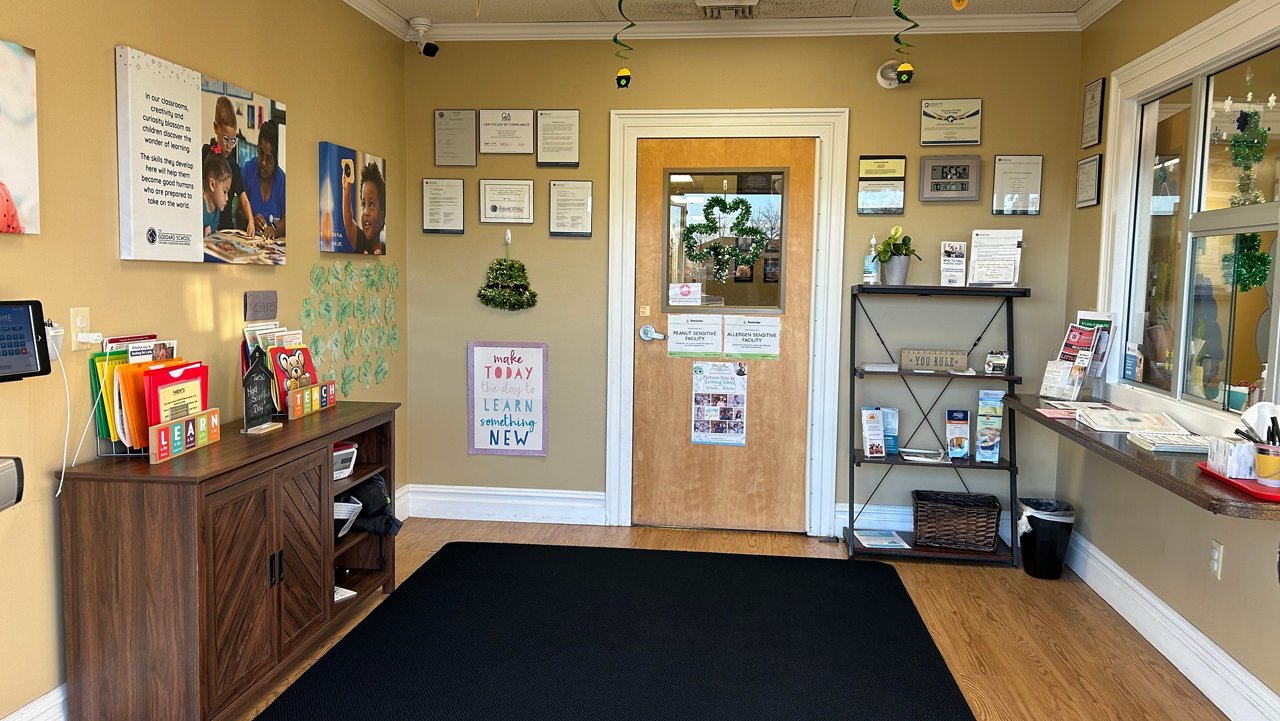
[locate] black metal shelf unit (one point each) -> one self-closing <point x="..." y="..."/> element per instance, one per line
<point x="1008" y="462"/>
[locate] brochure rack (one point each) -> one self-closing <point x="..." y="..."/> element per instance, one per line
<point x="859" y="294"/>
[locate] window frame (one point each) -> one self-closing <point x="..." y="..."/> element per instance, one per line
<point x="1234" y="35"/>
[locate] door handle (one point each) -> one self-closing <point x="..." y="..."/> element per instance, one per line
<point x="280" y="566"/>
<point x="271" y="570"/>
<point x="648" y="332"/>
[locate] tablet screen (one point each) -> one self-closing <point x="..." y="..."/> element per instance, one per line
<point x="22" y="346"/>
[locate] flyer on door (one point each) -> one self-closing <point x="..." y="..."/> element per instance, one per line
<point x="720" y="404"/>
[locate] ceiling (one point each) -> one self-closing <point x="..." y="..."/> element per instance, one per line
<point x="583" y="19"/>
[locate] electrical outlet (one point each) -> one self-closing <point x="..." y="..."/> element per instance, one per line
<point x="79" y="324"/>
<point x="1215" y="559"/>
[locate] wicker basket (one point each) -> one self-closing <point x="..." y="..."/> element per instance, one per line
<point x="956" y="520"/>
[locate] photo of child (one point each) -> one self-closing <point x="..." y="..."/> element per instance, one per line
<point x="236" y="215"/>
<point x="216" y="188"/>
<point x="353" y="201"/>
<point x="19" y="163"/>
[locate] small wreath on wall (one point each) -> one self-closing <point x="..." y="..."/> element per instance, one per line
<point x="725" y="258"/>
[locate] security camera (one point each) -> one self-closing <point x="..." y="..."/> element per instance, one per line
<point x="420" y="27"/>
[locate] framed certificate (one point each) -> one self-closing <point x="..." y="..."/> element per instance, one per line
<point x="506" y="131"/>
<point x="950" y="177"/>
<point x="1017" y="185"/>
<point x="1091" y="125"/>
<point x="881" y="184"/>
<point x="1087" y="173"/>
<point x="951" y="122"/>
<point x="557" y="138"/>
<point x="506" y="201"/>
<point x="442" y="206"/>
<point x="455" y="137"/>
<point x="570" y="215"/>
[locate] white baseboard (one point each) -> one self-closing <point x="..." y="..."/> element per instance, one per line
<point x="528" y="505"/>
<point x="895" y="518"/>
<point x="402" y="503"/>
<point x="49" y="707"/>
<point x="1231" y="687"/>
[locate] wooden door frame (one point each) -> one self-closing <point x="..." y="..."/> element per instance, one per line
<point x="830" y="127"/>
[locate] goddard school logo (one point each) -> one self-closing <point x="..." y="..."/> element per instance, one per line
<point x="440" y="114"/>
<point x="152" y="236"/>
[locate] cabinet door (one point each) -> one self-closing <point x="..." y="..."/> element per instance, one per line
<point x="240" y="599"/>
<point x="306" y="535"/>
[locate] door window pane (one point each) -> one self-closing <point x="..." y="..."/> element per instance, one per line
<point x="1157" y="281"/>
<point x="758" y="285"/>
<point x="1229" y="328"/>
<point x="1244" y="118"/>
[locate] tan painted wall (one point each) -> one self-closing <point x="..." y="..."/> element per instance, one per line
<point x="1159" y="538"/>
<point x="1027" y="83"/>
<point x="341" y="77"/>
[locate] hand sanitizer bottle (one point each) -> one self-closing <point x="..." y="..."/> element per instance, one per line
<point x="871" y="265"/>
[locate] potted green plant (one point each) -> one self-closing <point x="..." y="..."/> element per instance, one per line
<point x="895" y="254"/>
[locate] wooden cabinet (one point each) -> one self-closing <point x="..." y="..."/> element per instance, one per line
<point x="190" y="587"/>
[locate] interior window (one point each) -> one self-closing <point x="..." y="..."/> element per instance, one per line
<point x="1156" y="285"/>
<point x="757" y="285"/>
<point x="1243" y="116"/>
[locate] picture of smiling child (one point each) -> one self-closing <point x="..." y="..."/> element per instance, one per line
<point x="367" y="236"/>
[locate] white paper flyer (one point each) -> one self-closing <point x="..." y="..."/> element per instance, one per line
<point x="752" y="337"/>
<point x="720" y="404"/>
<point x="694" y="336"/>
<point x="684" y="294"/>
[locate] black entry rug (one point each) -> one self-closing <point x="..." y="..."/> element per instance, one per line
<point x="497" y="632"/>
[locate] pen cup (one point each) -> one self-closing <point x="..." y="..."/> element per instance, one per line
<point x="1268" y="465"/>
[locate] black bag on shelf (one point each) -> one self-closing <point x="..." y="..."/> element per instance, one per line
<point x="375" y="511"/>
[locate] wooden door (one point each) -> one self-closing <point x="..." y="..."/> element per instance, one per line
<point x="759" y="486"/>
<point x="306" y="510"/>
<point x="240" y="603"/>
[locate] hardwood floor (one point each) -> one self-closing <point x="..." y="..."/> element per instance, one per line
<point x="1020" y="648"/>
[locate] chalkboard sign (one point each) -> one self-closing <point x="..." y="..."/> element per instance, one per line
<point x="258" y="406"/>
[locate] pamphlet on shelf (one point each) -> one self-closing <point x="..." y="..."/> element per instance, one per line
<point x="917" y="455"/>
<point x="120" y="343"/>
<point x="1065" y="379"/>
<point x="1133" y="362"/>
<point x="342" y="594"/>
<point x="958" y="434"/>
<point x="880" y="367"/>
<point x="175" y="391"/>
<point x="880" y="539"/>
<point x="873" y="433"/>
<point x="965" y="372"/>
<point x="953" y="262"/>
<point x="1101" y="323"/>
<point x="1079" y="339"/>
<point x="990" y="425"/>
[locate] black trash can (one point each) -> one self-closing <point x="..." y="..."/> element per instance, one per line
<point x="1044" y="529"/>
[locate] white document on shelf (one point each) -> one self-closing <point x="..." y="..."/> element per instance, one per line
<point x="995" y="258"/>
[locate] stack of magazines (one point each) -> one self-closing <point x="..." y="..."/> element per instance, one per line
<point x="1170" y="442"/>
<point x="1126" y="421"/>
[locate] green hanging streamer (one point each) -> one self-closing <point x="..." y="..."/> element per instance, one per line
<point x="897" y="38"/>
<point x="616" y="41"/>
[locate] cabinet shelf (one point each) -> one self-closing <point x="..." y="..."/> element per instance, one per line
<point x="960" y="291"/>
<point x="363" y="582"/>
<point x="1002" y="554"/>
<point x="361" y="473"/>
<point x="1017" y="380"/>
<point x="963" y="463"/>
<point x="349" y="541"/>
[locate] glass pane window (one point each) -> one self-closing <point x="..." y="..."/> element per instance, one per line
<point x="1229" y="321"/>
<point x="754" y="285"/>
<point x="1157" y="282"/>
<point x="1243" y="119"/>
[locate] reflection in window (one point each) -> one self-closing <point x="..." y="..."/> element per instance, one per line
<point x="758" y="285"/>
<point x="1157" y="277"/>
<point x="1229" y="329"/>
<point x="1243" y="105"/>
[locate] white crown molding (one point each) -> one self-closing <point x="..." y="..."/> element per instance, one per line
<point x="1227" y="684"/>
<point x="1093" y="11"/>
<point x="384" y="16"/>
<point x="799" y="27"/>
<point x="49" y="707"/>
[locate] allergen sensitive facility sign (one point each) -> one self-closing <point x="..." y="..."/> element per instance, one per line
<point x="752" y="337"/>
<point x="507" y="398"/>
